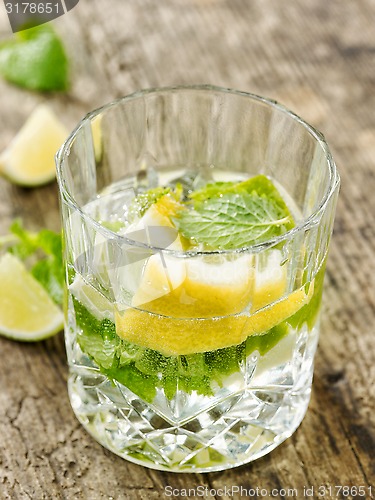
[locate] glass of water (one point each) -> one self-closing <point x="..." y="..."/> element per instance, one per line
<point x="196" y="222"/>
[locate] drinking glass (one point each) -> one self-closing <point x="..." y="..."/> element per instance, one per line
<point x="191" y="361"/>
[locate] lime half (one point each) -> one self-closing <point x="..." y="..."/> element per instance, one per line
<point x="27" y="312"/>
<point x="35" y="59"/>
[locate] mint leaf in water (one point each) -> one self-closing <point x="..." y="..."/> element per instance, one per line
<point x="143" y="370"/>
<point x="228" y="216"/>
<point x="210" y="190"/>
<point x="143" y="201"/>
<point x="233" y="221"/>
<point x="114" y="226"/>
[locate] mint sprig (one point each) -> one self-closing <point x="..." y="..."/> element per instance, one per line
<point x="228" y="216"/>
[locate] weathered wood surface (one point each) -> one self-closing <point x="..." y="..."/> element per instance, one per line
<point x="318" y="58"/>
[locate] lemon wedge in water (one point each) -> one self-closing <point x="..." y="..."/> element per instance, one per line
<point x="202" y="313"/>
<point x="180" y="336"/>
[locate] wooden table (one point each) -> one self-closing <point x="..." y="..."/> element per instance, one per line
<point x="318" y="58"/>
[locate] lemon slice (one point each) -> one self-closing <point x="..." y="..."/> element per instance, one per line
<point x="29" y="159"/>
<point x="27" y="312"/>
<point x="270" y="279"/>
<point x="196" y="288"/>
<point x="202" y="313"/>
<point x="159" y="274"/>
<point x="175" y="336"/>
<point x="162" y="276"/>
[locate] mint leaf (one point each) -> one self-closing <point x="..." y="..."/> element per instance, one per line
<point x="309" y="312"/>
<point x="25" y="242"/>
<point x="234" y="215"/>
<point x="50" y="242"/>
<point x="136" y="381"/>
<point x="211" y="190"/>
<point x="143" y="201"/>
<point x="259" y="184"/>
<point x="264" y="343"/>
<point x="50" y="273"/>
<point x="114" y="226"/>
<point x="35" y="59"/>
<point x="234" y="221"/>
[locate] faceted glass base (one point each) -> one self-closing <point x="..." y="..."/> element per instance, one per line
<point x="240" y="429"/>
<point x="207" y="433"/>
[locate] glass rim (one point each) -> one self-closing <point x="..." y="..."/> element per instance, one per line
<point x="303" y="225"/>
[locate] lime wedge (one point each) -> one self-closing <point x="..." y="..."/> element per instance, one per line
<point x="97" y="139"/>
<point x="29" y="159"/>
<point x="27" y="312"/>
<point x="35" y="59"/>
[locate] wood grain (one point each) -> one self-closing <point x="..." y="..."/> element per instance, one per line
<point x="317" y="58"/>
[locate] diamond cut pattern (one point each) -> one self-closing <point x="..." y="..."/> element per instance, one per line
<point x="193" y="432"/>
